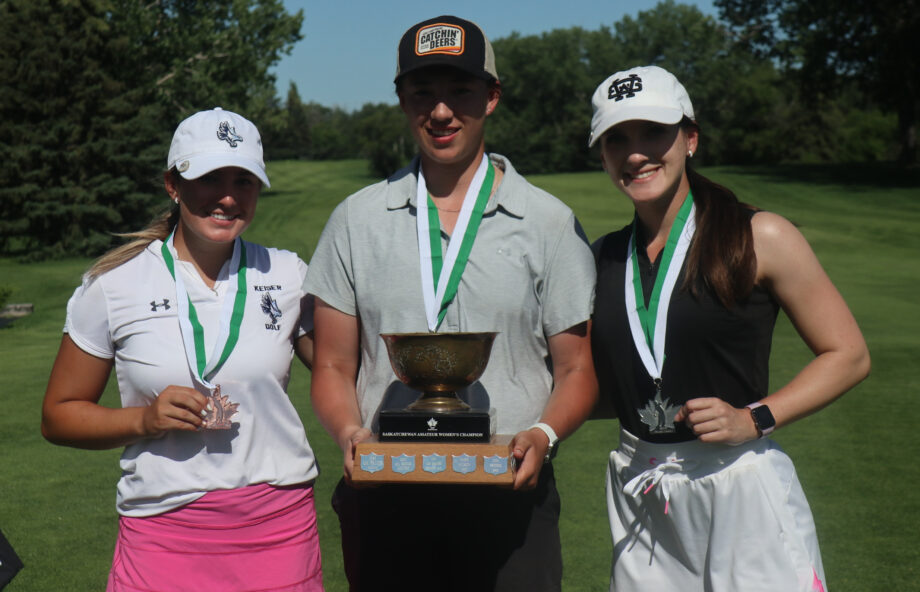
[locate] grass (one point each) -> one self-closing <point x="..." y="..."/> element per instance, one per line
<point x="856" y="459"/>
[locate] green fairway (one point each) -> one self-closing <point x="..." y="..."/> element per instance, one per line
<point x="857" y="459"/>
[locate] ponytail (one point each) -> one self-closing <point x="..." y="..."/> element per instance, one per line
<point x="722" y="254"/>
<point x="158" y="229"/>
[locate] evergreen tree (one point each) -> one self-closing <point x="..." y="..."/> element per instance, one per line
<point x="75" y="155"/>
<point x="92" y="92"/>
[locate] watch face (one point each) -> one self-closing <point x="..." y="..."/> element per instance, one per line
<point x="763" y="417"/>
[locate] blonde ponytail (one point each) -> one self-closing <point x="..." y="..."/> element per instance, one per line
<point x="159" y="228"/>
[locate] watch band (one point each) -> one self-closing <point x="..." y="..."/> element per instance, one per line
<point x="763" y="430"/>
<point x="553" y="439"/>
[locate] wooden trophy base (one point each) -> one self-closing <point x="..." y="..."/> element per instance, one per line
<point x="472" y="463"/>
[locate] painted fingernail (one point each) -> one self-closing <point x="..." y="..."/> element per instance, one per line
<point x="204" y="413"/>
<point x="210" y="408"/>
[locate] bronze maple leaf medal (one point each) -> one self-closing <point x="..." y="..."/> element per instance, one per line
<point x="221" y="412"/>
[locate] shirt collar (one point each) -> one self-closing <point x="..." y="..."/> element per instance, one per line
<point x="402" y="185"/>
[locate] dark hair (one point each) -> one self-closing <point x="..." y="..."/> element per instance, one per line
<point x="722" y="254"/>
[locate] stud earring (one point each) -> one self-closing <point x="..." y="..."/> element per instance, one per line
<point x="176" y="200"/>
<point x="690" y="153"/>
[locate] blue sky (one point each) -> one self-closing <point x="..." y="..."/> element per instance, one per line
<point x="348" y="54"/>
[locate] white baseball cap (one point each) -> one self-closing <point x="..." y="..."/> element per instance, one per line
<point x="210" y="140"/>
<point x="648" y="93"/>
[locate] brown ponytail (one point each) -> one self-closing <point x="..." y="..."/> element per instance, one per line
<point x="722" y="254"/>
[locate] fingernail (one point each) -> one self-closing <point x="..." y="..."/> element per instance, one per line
<point x="209" y="407"/>
<point x="204" y="413"/>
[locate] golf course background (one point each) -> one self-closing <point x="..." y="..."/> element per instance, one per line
<point x="857" y="459"/>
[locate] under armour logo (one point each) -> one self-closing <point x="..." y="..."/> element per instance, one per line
<point x="154" y="304"/>
<point x="624" y="88"/>
<point x="228" y="134"/>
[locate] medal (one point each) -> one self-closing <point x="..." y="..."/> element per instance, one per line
<point x="205" y="367"/>
<point x="222" y="410"/>
<point x="649" y="325"/>
<point x="441" y="274"/>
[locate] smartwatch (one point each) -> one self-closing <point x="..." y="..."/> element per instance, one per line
<point x="553" y="440"/>
<point x="763" y="418"/>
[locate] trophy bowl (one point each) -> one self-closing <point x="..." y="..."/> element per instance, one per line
<point x="437" y="364"/>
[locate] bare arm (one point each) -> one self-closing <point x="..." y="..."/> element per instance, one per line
<point x="573" y="397"/>
<point x="303" y="347"/>
<point x="72" y="416"/>
<point x="335" y="371"/>
<point x="789" y="269"/>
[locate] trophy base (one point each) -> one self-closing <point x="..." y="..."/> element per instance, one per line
<point x="414" y="425"/>
<point x="481" y="463"/>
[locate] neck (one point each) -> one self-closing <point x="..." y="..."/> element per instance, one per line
<point x="208" y="258"/>
<point x="450" y="180"/>
<point x="656" y="218"/>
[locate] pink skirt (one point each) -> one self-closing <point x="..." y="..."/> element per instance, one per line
<point x="258" y="538"/>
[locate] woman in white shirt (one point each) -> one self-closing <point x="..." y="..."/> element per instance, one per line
<point x="200" y="326"/>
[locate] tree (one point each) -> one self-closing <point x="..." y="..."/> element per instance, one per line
<point x="92" y="91"/>
<point x="74" y="146"/>
<point x="386" y="141"/>
<point x="286" y="130"/>
<point x="826" y="45"/>
<point x="542" y="120"/>
<point x="548" y="80"/>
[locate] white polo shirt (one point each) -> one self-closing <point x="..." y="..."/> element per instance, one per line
<point x="130" y="314"/>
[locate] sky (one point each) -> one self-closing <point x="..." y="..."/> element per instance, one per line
<point x="347" y="56"/>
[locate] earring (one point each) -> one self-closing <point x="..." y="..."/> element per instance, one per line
<point x="690" y="153"/>
<point x="176" y="200"/>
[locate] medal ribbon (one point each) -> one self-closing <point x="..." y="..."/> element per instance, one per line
<point x="439" y="289"/>
<point x="231" y="316"/>
<point x="649" y="325"/>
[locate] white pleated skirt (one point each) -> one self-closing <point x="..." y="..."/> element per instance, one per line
<point x="704" y="517"/>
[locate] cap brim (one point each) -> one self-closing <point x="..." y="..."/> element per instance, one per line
<point x="448" y="62"/>
<point x="203" y="164"/>
<point x="665" y="115"/>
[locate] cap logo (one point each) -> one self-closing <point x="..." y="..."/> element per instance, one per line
<point x="624" y="88"/>
<point x="228" y="134"/>
<point x="183" y="166"/>
<point x="439" y="38"/>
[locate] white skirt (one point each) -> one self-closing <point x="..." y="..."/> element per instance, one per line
<point x="693" y="516"/>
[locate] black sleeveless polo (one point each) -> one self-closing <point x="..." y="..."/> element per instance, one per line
<point x="709" y="350"/>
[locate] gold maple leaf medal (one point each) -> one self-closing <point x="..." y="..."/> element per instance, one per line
<point x="221" y="412"/>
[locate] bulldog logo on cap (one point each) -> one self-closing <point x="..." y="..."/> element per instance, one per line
<point x="439" y="38"/>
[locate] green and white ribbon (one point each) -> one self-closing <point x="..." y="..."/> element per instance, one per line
<point x="649" y="325"/>
<point x="231" y="318"/>
<point x="441" y="273"/>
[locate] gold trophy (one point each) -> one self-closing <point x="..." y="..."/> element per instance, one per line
<point x="438" y="438"/>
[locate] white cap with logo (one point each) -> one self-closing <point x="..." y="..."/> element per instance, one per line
<point x="648" y="93"/>
<point x="210" y="140"/>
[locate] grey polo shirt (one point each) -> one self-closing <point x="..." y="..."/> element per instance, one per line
<point x="530" y="275"/>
